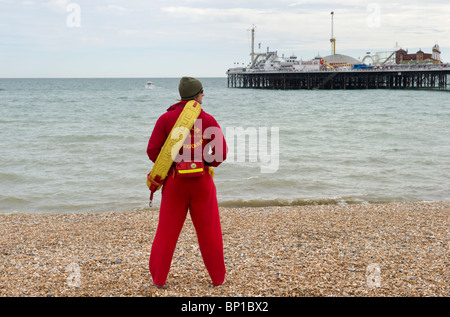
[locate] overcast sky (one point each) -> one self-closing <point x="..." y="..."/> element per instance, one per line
<point x="202" y="38"/>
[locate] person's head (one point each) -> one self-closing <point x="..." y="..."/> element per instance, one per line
<point x="191" y="89"/>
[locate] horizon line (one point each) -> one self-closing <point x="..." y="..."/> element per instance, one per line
<point x="171" y="77"/>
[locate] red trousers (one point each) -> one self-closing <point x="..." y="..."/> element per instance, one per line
<point x="199" y="196"/>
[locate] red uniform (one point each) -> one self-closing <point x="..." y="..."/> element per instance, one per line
<point x="198" y="194"/>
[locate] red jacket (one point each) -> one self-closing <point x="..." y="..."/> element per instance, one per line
<point x="210" y="146"/>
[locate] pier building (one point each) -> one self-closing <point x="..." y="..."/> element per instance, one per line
<point x="336" y="71"/>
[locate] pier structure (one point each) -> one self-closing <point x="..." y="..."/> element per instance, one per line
<point x="437" y="78"/>
<point x="396" y="69"/>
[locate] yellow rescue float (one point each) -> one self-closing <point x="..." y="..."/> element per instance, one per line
<point x="172" y="146"/>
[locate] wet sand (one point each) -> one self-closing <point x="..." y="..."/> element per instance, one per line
<point x="394" y="249"/>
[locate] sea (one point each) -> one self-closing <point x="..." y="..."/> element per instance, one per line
<point x="79" y="145"/>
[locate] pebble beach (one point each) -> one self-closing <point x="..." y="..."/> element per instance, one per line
<point x="355" y="250"/>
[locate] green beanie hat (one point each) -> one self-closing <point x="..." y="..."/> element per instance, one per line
<point x="189" y="88"/>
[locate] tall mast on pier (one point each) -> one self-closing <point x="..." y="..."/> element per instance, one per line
<point x="252" y="54"/>
<point x="332" y="40"/>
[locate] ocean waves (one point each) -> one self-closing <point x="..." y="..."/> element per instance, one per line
<point x="79" y="145"/>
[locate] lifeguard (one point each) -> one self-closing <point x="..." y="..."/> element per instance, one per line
<point x="189" y="186"/>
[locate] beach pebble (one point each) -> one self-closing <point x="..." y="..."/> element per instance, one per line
<point x="394" y="249"/>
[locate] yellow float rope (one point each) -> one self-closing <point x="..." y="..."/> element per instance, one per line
<point x="172" y="146"/>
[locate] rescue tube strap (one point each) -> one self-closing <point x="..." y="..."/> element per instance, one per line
<point x="152" y="181"/>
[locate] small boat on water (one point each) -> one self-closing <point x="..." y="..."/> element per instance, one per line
<point x="150" y="84"/>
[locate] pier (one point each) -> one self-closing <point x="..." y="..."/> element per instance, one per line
<point x="396" y="69"/>
<point x="398" y="78"/>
